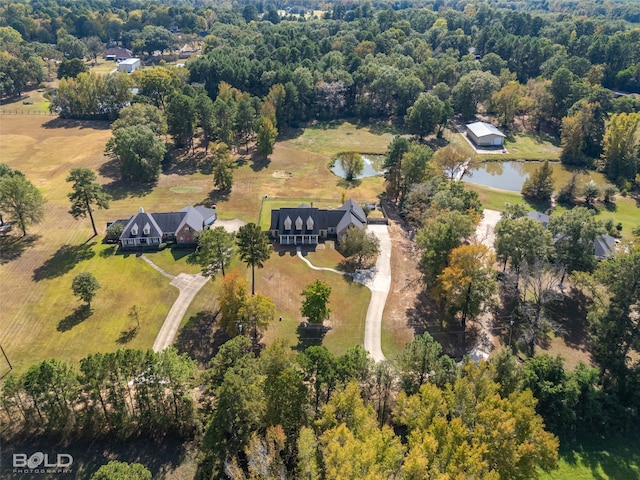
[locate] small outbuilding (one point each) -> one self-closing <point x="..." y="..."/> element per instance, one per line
<point x="129" y="65"/>
<point x="485" y="135"/>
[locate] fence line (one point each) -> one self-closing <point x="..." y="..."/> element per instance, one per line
<point x="25" y="112"/>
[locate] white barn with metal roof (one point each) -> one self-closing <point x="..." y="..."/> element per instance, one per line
<point x="485" y="135"/>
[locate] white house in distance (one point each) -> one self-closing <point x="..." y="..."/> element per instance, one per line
<point x="129" y="65"/>
<point x="485" y="135"/>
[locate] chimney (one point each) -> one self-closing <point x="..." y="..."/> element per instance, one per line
<point x="141" y="210"/>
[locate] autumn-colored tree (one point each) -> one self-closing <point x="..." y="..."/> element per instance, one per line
<point x="255" y="315"/>
<point x="506" y="101"/>
<point x="450" y="159"/>
<point x="620" y="155"/>
<point x="267" y="134"/>
<point x="467" y="429"/>
<point x="353" y="446"/>
<point x="231" y="299"/>
<point x="468" y="282"/>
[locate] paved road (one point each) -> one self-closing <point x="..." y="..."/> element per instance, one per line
<point x="189" y="285"/>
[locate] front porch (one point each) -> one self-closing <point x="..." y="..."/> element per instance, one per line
<point x="298" y="239"/>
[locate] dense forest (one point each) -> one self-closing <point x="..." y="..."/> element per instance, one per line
<point x="564" y="68"/>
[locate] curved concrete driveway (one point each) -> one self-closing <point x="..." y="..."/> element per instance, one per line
<point x="378" y="280"/>
<point x="379" y="283"/>
<point x="189" y="285"/>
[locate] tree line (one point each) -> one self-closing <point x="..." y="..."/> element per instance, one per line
<point x="302" y="415"/>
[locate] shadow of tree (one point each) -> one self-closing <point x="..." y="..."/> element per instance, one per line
<point x="214" y="197"/>
<point x="347" y="184"/>
<point x="108" y="251"/>
<point x="127" y="335"/>
<point x="120" y="189"/>
<point x="70" y="123"/>
<point x="78" y="316"/>
<point x="310" y="335"/>
<point x="290" y="133"/>
<point x="158" y="453"/>
<point x="426" y="316"/>
<point x="64" y="260"/>
<point x="259" y="162"/>
<point x="110" y="169"/>
<point x="12" y="247"/>
<point x="570" y="311"/>
<point x="200" y="339"/>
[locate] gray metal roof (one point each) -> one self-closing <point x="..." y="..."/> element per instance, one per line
<point x="482" y="129"/>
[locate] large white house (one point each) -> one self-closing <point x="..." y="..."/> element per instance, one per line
<point x="485" y="135"/>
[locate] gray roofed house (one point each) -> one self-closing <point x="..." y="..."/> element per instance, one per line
<point x="484" y="134"/>
<point x="306" y="225"/>
<point x="604" y="246"/>
<point x="543" y="218"/>
<point x="152" y="229"/>
<point x="117" y="54"/>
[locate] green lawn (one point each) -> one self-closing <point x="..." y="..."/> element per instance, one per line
<point x="332" y="138"/>
<point x="495" y="199"/>
<point x="284" y="276"/>
<point x="519" y="147"/>
<point x="55" y="324"/>
<point x="616" y="458"/>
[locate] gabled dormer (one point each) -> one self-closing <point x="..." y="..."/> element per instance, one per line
<point x="298" y="223"/>
<point x="146" y="229"/>
<point x="310" y="223"/>
<point x="134" y="230"/>
<point x="287" y="223"/>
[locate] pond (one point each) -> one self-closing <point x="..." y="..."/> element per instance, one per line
<point x="373" y="165"/>
<point x="512" y="175"/>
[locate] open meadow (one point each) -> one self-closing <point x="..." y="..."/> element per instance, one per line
<point x="41" y="318"/>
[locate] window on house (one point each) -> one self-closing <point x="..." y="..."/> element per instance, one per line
<point x="310" y="223"/>
<point x="287" y="223"/>
<point x="134" y="230"/>
<point x="146" y="229"/>
<point x="298" y="223"/>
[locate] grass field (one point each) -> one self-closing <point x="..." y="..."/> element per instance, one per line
<point x="332" y="138"/>
<point x="35" y="305"/>
<point x="625" y="211"/>
<point x="519" y="147"/>
<point x="613" y="458"/>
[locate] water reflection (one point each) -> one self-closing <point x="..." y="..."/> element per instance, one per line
<point x="373" y="165"/>
<point x="512" y="175"/>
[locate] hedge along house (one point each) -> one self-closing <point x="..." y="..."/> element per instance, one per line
<point x="485" y="135"/>
<point x="152" y="229"/>
<point x="307" y="225"/>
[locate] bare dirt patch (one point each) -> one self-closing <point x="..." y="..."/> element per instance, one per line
<point x="406" y="284"/>
<point x="282" y="174"/>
